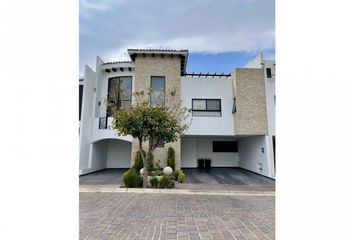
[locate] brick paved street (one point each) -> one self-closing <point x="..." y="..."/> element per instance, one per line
<point x="175" y="216"/>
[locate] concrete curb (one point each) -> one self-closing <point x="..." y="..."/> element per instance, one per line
<point x="115" y="189"/>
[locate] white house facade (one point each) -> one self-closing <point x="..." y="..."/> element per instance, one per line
<point x="233" y="115"/>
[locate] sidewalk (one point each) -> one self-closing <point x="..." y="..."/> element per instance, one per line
<point x="187" y="189"/>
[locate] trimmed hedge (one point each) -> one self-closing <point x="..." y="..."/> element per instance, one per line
<point x="171" y="158"/>
<point x="138" y="161"/>
<point x="132" y="179"/>
<point x="166" y="182"/>
<point x="154" y="181"/>
<point x="181" y="177"/>
<point x="150" y="161"/>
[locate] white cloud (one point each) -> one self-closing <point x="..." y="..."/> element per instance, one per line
<point x="109" y="27"/>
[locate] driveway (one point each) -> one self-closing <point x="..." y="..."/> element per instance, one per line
<point x="237" y="176"/>
<point x="194" y="177"/>
<point x="107" y="176"/>
<point x="175" y="216"/>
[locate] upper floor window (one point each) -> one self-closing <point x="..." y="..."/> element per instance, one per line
<point x="158" y="91"/>
<point x="269" y="72"/>
<point x="206" y="107"/>
<point x="120" y="91"/>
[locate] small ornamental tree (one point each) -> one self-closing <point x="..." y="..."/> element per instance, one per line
<point x="171" y="158"/>
<point x="163" y="123"/>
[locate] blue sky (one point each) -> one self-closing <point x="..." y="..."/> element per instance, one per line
<point x="221" y="62"/>
<point x="220" y="35"/>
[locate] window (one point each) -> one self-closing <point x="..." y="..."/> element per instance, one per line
<point x="153" y="142"/>
<point x="269" y="73"/>
<point x="206" y="107"/>
<point x="81" y="90"/>
<point x="234" y="106"/>
<point x="158" y="91"/>
<point x="120" y="91"/>
<point x="225" y="146"/>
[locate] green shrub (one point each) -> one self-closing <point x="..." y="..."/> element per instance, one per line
<point x="181" y="177"/>
<point x="138" y="161"/>
<point x="156" y="173"/>
<point x="132" y="179"/>
<point x="154" y="182"/>
<point x="150" y="162"/>
<point x="171" y="158"/>
<point x="177" y="172"/>
<point x="166" y="182"/>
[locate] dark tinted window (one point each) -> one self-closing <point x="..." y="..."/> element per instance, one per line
<point x="225" y="146"/>
<point x="269" y="73"/>
<point x="120" y="91"/>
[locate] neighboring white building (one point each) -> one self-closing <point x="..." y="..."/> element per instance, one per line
<point x="233" y="115"/>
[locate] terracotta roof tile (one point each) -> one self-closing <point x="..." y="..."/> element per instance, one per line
<point x="158" y="50"/>
<point x="117" y="62"/>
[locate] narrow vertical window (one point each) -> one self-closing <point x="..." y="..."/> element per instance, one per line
<point x="234" y="106"/>
<point x="158" y="91"/>
<point x="269" y="73"/>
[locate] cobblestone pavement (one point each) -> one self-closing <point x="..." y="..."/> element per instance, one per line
<point x="176" y="216"/>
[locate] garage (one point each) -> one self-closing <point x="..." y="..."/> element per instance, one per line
<point x="206" y="152"/>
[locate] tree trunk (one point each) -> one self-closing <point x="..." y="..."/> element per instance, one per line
<point x="145" y="164"/>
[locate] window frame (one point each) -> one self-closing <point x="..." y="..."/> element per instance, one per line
<point x="164" y="88"/>
<point x="119" y="100"/>
<point x="206" y="107"/>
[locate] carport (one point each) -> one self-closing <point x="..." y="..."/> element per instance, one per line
<point x="235" y="176"/>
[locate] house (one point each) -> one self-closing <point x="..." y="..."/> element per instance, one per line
<point x="233" y="115"/>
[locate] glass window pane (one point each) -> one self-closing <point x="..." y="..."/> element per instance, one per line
<point x="126" y="88"/>
<point x="113" y="87"/>
<point x="206" y="114"/>
<point x="158" y="91"/>
<point x="213" y="105"/>
<point x="199" y="104"/>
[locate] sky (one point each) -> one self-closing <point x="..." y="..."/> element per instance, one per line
<point x="219" y="34"/>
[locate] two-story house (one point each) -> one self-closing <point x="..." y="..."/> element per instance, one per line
<point x="233" y="115"/>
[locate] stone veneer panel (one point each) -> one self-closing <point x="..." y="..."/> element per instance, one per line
<point x="170" y="68"/>
<point x="251" y="112"/>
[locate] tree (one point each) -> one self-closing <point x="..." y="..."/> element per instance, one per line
<point x="162" y="123"/>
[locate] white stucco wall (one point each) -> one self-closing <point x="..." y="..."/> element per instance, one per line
<point x="250" y="155"/>
<point x="99" y="155"/>
<point x="215" y="88"/>
<point x="188" y="153"/>
<point x="256" y="62"/>
<point x="85" y="123"/>
<point x="119" y="154"/>
<point x="195" y="148"/>
<point x="109" y="133"/>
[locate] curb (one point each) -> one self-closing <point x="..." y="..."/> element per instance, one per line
<point x="115" y="189"/>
